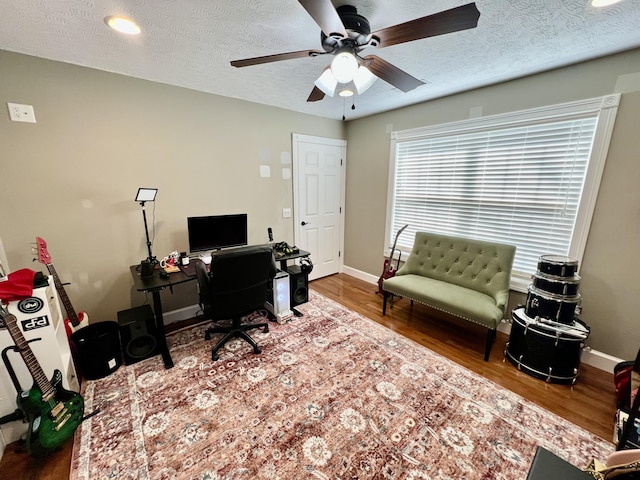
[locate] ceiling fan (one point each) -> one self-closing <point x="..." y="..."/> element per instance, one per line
<point x="345" y="33"/>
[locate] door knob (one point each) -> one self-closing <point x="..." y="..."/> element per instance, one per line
<point x="303" y="223"/>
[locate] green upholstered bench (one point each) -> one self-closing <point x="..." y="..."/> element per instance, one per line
<point x="459" y="276"/>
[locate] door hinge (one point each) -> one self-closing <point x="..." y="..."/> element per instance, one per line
<point x="340" y="209"/>
<point x="340" y="162"/>
<point x="339" y="253"/>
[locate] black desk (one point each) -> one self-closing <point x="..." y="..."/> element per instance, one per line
<point x="284" y="260"/>
<point x="154" y="285"/>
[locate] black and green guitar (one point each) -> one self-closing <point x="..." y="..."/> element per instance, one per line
<point x="53" y="413"/>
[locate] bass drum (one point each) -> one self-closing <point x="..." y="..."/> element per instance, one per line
<point x="557" y="285"/>
<point x="544" y="351"/>
<point x="557" y="265"/>
<point x="559" y="308"/>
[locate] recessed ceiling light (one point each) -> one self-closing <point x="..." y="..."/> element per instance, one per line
<point x="122" y="25"/>
<point x="603" y="3"/>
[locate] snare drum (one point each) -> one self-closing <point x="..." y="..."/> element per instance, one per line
<point x="560" y="308"/>
<point x="557" y="285"/>
<point x="544" y="351"/>
<point x="557" y="265"/>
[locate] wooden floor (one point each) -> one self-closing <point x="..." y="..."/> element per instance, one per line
<point x="590" y="403"/>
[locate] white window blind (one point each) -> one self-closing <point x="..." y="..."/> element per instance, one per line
<point x="517" y="179"/>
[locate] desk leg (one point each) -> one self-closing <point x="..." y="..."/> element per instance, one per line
<point x="162" y="339"/>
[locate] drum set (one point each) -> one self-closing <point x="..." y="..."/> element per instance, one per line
<point x="547" y="337"/>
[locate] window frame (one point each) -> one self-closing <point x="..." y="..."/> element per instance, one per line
<point x="604" y="107"/>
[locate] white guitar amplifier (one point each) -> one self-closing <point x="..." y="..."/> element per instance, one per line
<point x="279" y="303"/>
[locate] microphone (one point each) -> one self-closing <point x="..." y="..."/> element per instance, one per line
<point x="270" y="232"/>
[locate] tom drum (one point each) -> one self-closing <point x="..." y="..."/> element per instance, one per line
<point x="560" y="308"/>
<point x="557" y="265"/>
<point x="557" y="285"/>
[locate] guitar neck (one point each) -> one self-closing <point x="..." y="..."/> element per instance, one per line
<point x="29" y="358"/>
<point x="71" y="313"/>
<point x="393" y="248"/>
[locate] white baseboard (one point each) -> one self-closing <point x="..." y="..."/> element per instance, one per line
<point x="589" y="356"/>
<point x="180" y="314"/>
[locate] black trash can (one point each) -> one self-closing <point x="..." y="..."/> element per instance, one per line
<point x="98" y="349"/>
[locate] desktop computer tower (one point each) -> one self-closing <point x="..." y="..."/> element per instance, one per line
<point x="298" y="285"/>
<point x="138" y="334"/>
<point x="278" y="302"/>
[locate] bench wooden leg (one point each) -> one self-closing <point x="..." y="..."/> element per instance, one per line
<point x="384" y="303"/>
<point x="491" y="336"/>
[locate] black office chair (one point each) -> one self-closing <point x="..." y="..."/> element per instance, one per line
<point x="236" y="285"/>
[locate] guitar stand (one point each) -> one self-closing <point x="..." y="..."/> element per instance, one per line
<point x="89" y="415"/>
<point x="17" y="414"/>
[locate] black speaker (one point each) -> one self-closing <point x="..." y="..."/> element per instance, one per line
<point x="97" y="349"/>
<point x="298" y="285"/>
<point x="138" y="334"/>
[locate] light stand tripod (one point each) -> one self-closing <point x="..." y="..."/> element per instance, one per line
<point x="147" y="195"/>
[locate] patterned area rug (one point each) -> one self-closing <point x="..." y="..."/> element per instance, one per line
<point x="333" y="395"/>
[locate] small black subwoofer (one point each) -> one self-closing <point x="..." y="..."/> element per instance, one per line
<point x="138" y="334"/>
<point x="298" y="285"/>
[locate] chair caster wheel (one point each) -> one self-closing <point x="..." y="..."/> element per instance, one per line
<point x="257" y="350"/>
<point x="266" y="329"/>
<point x="207" y="336"/>
<point x="214" y="356"/>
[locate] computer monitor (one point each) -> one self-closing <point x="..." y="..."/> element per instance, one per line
<point x="216" y="232"/>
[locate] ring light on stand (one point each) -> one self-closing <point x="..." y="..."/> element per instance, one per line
<point x="147" y="195"/>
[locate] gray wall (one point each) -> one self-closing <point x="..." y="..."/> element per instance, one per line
<point x="72" y="177"/>
<point x="610" y="266"/>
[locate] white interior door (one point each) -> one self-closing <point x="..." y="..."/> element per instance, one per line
<point x="318" y="186"/>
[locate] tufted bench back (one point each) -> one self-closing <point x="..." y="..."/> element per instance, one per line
<point x="481" y="266"/>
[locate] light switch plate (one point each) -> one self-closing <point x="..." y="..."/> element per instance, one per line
<point x="286" y="213"/>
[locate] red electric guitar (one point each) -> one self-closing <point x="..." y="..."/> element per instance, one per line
<point x="388" y="270"/>
<point x="74" y="322"/>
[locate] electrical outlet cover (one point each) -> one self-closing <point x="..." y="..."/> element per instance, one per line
<point x="21" y="113"/>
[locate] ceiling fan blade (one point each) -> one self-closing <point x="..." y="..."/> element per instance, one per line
<point x="325" y="15"/>
<point x="315" y="95"/>
<point x="392" y="74"/>
<point x="274" y="58"/>
<point x="456" y="19"/>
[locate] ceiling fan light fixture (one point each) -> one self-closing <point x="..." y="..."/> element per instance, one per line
<point x="122" y="25"/>
<point x="363" y="79"/>
<point x="327" y="82"/>
<point x="346" y="92"/>
<point x="344" y="66"/>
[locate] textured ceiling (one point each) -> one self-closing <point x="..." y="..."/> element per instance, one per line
<point x="190" y="44"/>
